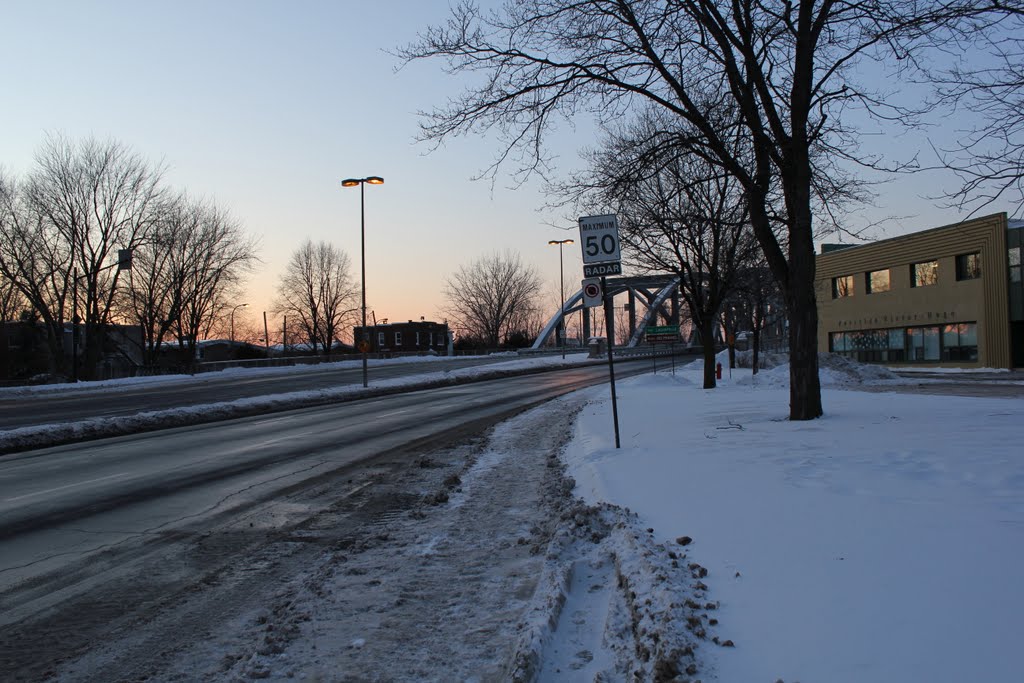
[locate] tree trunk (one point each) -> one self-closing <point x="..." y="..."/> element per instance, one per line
<point x="707" y="341"/>
<point x="804" y="385"/>
<point x="755" y="340"/>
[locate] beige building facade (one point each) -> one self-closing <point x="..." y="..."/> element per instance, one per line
<point x="945" y="297"/>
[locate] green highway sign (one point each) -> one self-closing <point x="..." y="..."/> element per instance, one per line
<point x="663" y="334"/>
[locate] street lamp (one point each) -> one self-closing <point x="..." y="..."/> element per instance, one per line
<point x="561" y="288"/>
<point x="233" y="327"/>
<point x="362" y="182"/>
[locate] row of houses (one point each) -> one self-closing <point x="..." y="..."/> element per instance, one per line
<point x="24" y="354"/>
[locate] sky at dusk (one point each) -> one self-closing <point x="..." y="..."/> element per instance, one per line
<point x="267" y="106"/>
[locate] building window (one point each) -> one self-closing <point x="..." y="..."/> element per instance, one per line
<point x="417" y="340"/>
<point x="877" y="281"/>
<point x="842" y="286"/>
<point x="398" y="339"/>
<point x="1014" y="261"/>
<point x="968" y="266"/>
<point x="380" y="340"/>
<point x="960" y="342"/>
<point x="951" y="343"/>
<point x="924" y="274"/>
<point x="923" y="343"/>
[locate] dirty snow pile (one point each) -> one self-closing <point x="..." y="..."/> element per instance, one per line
<point x="880" y="542"/>
<point x="491" y="571"/>
<point x="833" y="370"/>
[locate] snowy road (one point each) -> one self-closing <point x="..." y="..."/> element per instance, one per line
<point x="25" y="406"/>
<point x="166" y="555"/>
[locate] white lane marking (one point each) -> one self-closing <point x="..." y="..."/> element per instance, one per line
<point x="66" y="486"/>
<point x="393" y="413"/>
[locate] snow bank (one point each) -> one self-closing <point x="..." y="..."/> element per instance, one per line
<point x="833" y="370"/>
<point x="881" y="542"/>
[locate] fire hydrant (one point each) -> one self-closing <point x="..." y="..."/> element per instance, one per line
<point x="718" y="371"/>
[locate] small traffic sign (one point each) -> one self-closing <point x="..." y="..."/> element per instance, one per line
<point x="599" y="269"/>
<point x="592" y="294"/>
<point x="599" y="239"/>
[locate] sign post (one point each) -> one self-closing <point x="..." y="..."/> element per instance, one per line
<point x="599" y="240"/>
<point x="609" y="330"/>
<point x="663" y="334"/>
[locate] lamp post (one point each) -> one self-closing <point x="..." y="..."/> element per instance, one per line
<point x="233" y="327"/>
<point x="561" y="289"/>
<point x="362" y="182"/>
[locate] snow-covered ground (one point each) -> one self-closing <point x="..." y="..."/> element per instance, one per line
<point x="882" y="542"/>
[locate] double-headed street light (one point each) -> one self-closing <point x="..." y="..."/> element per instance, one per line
<point x="361" y="182"/>
<point x="561" y="289"/>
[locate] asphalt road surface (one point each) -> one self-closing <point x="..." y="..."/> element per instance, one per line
<point x="81" y="401"/>
<point x="108" y="533"/>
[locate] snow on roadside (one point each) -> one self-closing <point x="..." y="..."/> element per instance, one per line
<point x="881" y="542"/>
<point x="500" y="575"/>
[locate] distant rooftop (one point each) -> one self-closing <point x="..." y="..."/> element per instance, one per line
<point x="826" y="247"/>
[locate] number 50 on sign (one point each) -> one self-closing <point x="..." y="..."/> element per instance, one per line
<point x="599" y="238"/>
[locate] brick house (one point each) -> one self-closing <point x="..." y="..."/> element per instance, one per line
<point x="408" y="337"/>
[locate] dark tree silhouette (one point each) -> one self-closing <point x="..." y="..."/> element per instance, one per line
<point x="787" y="70"/>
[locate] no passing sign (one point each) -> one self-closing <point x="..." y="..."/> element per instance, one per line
<point x="592" y="295"/>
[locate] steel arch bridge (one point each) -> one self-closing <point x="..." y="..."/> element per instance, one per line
<point x="658" y="293"/>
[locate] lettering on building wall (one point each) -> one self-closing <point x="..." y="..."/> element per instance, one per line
<point x="857" y="323"/>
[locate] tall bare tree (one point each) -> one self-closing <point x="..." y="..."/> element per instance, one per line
<point x="787" y="69"/>
<point x="317" y="292"/>
<point x="492" y="297"/>
<point x="678" y="213"/>
<point x="183" y="277"/>
<point x="85" y="200"/>
<point x="38" y="262"/>
<point x="989" y="84"/>
<point x="754" y="305"/>
<point x="12" y="301"/>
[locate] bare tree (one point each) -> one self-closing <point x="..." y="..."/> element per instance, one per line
<point x="12" y="301"/>
<point x="989" y="156"/>
<point x="678" y="213"/>
<point x="786" y="69"/>
<point x="85" y="200"/>
<point x="183" y="277"/>
<point x="492" y="297"/>
<point x="153" y="299"/>
<point x="753" y="305"/>
<point x="317" y="293"/>
<point x="38" y="263"/>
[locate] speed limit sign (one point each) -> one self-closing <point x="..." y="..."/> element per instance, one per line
<point x="599" y="240"/>
<point x="592" y="295"/>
